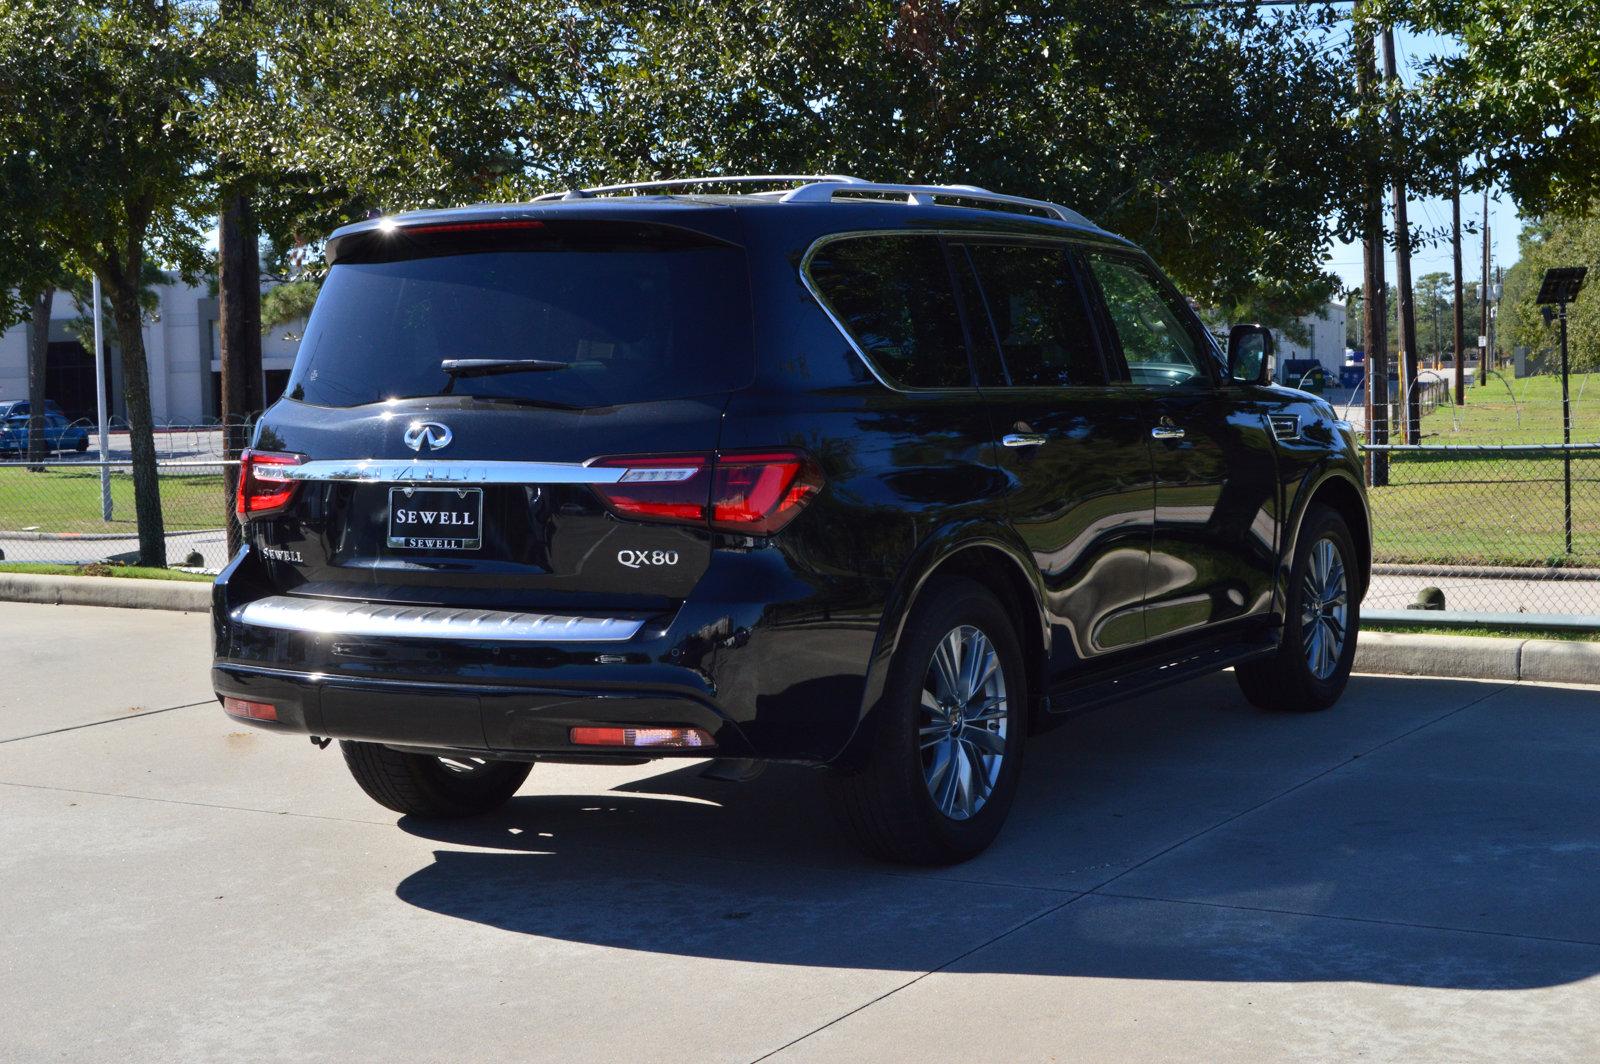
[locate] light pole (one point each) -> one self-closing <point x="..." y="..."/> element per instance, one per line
<point x="100" y="403"/>
<point x="1560" y="287"/>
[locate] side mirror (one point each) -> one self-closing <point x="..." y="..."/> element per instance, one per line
<point x="1250" y="351"/>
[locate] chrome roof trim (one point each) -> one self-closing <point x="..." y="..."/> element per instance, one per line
<point x="372" y="620"/>
<point x="691" y="182"/>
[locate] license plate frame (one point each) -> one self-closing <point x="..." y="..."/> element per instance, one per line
<point x="467" y="500"/>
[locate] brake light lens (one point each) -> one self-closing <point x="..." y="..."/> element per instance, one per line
<point x="757" y="494"/>
<point x="264" y="485"/>
<point x="753" y="494"/>
<point x="248" y="710"/>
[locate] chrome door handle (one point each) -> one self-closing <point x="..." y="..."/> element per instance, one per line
<point x="1023" y="439"/>
<point x="1166" y="431"/>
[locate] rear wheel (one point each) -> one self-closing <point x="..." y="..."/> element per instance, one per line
<point x="1321" y="622"/>
<point x="948" y="735"/>
<point x="426" y="786"/>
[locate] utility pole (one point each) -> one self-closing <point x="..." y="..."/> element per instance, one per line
<point x="1483" y="298"/>
<point x="1374" y="302"/>
<point x="1461" y="337"/>
<point x="1404" y="309"/>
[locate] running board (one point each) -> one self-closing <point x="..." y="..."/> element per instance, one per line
<point x="1152" y="673"/>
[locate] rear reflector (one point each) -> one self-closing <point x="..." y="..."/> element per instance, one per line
<point x="240" y="707"/>
<point x="751" y="494"/>
<point x="674" y="737"/>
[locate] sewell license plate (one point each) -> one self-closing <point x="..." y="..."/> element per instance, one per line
<point x="436" y="518"/>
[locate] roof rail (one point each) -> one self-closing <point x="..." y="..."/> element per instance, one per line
<point x="823" y="188"/>
<point x="735" y="179"/>
<point x="928" y="195"/>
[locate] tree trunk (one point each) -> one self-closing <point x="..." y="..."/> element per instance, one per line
<point x="38" y="354"/>
<point x="239" y="314"/>
<point x="136" y="393"/>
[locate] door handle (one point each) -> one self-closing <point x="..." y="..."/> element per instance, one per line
<point x="1023" y="439"/>
<point x="1166" y="430"/>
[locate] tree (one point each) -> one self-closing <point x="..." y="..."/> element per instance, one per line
<point x="1522" y="95"/>
<point x="1545" y="243"/>
<point x="102" y="100"/>
<point x="1222" y="148"/>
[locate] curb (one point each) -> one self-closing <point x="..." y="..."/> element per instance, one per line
<point x="1478" y="657"/>
<point x="190" y="596"/>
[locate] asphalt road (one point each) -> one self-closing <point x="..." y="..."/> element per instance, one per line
<point x="1409" y="877"/>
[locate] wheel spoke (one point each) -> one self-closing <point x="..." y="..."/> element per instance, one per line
<point x="980" y="777"/>
<point x="976" y="652"/>
<point x="945" y="660"/>
<point x="984" y="740"/>
<point x="941" y="776"/>
<point x="963" y="781"/>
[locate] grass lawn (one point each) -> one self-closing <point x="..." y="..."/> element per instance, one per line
<point x="68" y="500"/>
<point x="1485" y="510"/>
<point x="140" y="572"/>
<point x="1566" y="634"/>
<point x="1506" y="411"/>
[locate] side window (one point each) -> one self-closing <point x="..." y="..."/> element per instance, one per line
<point x="1156" y="340"/>
<point x="1038" y="314"/>
<point x="892" y="294"/>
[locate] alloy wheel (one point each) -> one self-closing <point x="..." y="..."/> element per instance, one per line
<point x="1324" y="608"/>
<point x="962" y="726"/>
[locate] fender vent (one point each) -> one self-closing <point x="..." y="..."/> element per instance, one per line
<point x="1285" y="426"/>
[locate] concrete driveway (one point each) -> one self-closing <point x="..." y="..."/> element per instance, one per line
<point x="1413" y="876"/>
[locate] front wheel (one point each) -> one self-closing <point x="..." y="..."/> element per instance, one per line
<point x="1322" y="619"/>
<point x="422" y="785"/>
<point x="947" y="736"/>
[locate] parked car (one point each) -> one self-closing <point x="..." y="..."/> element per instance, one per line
<point x="876" y="478"/>
<point x="59" y="434"/>
<point x="11" y="407"/>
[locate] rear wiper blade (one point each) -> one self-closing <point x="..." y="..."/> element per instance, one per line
<point x="488" y="367"/>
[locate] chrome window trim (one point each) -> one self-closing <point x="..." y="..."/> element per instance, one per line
<point x="374" y="620"/>
<point x="451" y="471"/>
<point x="1065" y="240"/>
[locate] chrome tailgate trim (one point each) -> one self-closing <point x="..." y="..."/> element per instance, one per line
<point x="324" y="617"/>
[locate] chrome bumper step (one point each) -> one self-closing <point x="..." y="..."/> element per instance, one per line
<point x="326" y="617"/>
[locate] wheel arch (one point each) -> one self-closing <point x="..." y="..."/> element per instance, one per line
<point x="1340" y="491"/>
<point x="991" y="557"/>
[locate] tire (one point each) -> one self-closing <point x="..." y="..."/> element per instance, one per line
<point x="1289" y="679"/>
<point x="889" y="806"/>
<point x="425" y="786"/>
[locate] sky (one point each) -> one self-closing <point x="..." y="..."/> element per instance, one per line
<point x="1504" y="223"/>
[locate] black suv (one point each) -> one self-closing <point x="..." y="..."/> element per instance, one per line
<point x="877" y="478"/>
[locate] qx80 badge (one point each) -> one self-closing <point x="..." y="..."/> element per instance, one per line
<point x="638" y="559"/>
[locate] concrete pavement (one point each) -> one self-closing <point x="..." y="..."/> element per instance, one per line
<point x="1410" y="877"/>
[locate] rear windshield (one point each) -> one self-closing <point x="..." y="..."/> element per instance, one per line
<point x="628" y="324"/>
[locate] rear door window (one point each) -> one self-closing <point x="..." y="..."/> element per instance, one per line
<point x="892" y="295"/>
<point x="1037" y="315"/>
<point x="622" y="322"/>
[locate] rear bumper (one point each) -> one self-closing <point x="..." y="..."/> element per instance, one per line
<point x="482" y="717"/>
<point x="486" y="681"/>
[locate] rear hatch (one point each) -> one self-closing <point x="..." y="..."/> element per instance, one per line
<point x="458" y="391"/>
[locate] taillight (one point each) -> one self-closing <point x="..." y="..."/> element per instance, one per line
<point x="758" y="494"/>
<point x="753" y="494"/>
<point x="264" y="485"/>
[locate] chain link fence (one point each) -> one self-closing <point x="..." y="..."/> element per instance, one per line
<point x="62" y="511"/>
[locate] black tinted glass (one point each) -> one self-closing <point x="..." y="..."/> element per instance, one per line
<point x="1157" y="342"/>
<point x="893" y="295"/>
<point x="1038" y="313"/>
<point x="628" y="325"/>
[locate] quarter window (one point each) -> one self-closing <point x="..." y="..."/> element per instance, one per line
<point x="1038" y="315"/>
<point x="893" y="296"/>
<point x="1157" y="344"/>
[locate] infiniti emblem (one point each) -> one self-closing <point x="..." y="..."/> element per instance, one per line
<point x="428" y="436"/>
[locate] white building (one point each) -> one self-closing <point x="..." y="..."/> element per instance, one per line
<point x="1326" y="342"/>
<point x="181" y="342"/>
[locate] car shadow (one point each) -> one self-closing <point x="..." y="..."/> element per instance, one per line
<point x="1179" y="836"/>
